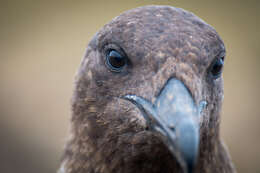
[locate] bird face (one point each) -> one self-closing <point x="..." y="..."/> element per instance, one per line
<point x="151" y="76"/>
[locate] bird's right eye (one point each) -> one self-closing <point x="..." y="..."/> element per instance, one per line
<point x="115" y="61"/>
<point x="216" y="68"/>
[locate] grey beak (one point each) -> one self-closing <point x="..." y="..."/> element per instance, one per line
<point x="176" y="117"/>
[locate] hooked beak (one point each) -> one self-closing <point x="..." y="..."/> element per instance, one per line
<point x="176" y="117"/>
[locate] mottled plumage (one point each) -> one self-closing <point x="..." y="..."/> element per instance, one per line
<point x="109" y="134"/>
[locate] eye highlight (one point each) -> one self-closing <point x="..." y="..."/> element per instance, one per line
<point x="216" y="67"/>
<point x="115" y="61"/>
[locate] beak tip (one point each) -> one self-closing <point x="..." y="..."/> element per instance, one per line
<point x="190" y="165"/>
<point x="188" y="142"/>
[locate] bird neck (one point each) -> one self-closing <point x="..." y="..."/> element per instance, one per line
<point x="83" y="154"/>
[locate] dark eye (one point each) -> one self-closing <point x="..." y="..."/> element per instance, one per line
<point x="115" y="61"/>
<point x="216" y="68"/>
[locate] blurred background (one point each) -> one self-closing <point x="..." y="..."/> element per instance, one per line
<point x="42" y="43"/>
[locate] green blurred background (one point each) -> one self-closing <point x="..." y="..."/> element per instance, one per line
<point x="42" y="43"/>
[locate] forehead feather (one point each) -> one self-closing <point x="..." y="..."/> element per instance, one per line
<point x="162" y="30"/>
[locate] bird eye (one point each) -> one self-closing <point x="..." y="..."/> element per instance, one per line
<point x="115" y="61"/>
<point x="216" y="68"/>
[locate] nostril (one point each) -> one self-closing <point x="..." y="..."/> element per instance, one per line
<point x="172" y="127"/>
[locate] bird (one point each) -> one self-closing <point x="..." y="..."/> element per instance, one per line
<point x="148" y="96"/>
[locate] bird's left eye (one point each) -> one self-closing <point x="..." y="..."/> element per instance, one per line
<point x="216" y="68"/>
<point x="115" y="61"/>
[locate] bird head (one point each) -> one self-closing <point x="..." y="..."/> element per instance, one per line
<point x="148" y="93"/>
